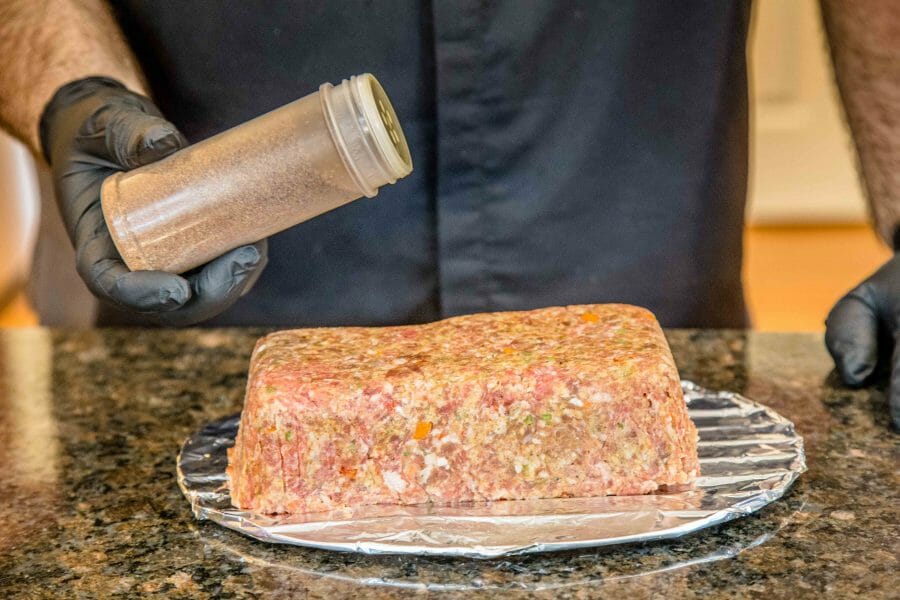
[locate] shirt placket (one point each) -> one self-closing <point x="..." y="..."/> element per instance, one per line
<point x="463" y="123"/>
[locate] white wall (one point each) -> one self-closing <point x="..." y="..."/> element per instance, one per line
<point x="19" y="212"/>
<point x="802" y="162"/>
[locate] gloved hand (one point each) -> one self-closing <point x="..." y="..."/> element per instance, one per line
<point x="864" y="326"/>
<point x="90" y="129"/>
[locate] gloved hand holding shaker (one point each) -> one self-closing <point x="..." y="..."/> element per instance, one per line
<point x="92" y="128"/>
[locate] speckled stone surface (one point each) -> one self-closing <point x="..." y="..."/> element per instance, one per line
<point x="91" y="421"/>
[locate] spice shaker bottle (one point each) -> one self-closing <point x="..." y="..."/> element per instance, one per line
<point x="261" y="177"/>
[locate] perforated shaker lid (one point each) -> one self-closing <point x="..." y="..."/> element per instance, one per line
<point x="384" y="124"/>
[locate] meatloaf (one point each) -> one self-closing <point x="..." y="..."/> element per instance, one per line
<point x="557" y="402"/>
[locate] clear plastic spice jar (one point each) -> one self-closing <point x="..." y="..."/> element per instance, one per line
<point x="261" y="177"/>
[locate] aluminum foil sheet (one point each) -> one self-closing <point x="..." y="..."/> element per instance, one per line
<point x="749" y="456"/>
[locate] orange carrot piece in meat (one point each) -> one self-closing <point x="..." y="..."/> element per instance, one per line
<point x="423" y="428"/>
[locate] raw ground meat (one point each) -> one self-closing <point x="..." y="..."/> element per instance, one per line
<point x="557" y="402"/>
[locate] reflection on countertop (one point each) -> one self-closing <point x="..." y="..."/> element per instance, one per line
<point x="90" y="423"/>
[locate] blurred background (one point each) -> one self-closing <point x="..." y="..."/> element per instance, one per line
<point x="807" y="238"/>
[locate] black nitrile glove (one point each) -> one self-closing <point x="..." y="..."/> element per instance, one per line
<point x="92" y="128"/>
<point x="865" y="325"/>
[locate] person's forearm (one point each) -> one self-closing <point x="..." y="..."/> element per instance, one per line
<point x="864" y="37"/>
<point x="45" y="44"/>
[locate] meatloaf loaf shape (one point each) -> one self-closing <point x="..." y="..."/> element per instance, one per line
<point x="557" y="402"/>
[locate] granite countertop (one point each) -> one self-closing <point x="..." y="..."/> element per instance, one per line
<point x="91" y="421"/>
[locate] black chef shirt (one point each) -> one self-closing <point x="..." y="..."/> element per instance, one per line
<point x="564" y="151"/>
